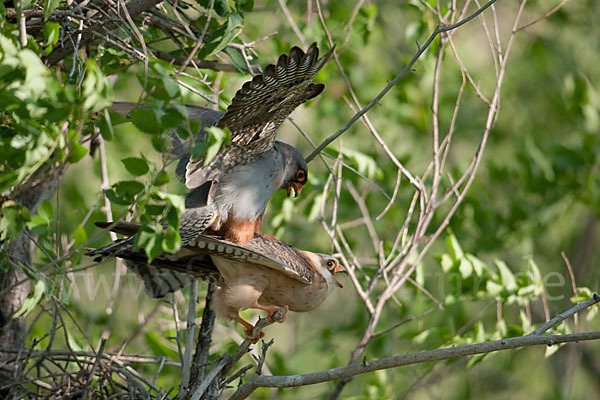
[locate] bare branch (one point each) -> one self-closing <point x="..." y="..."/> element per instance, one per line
<point x="134" y="7"/>
<point x="561" y="317"/>
<point x="533" y="339"/>
<point x="393" y="82"/>
<point x="201" y="64"/>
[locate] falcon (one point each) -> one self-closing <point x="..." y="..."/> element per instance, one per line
<point x="236" y="185"/>
<point x="264" y="273"/>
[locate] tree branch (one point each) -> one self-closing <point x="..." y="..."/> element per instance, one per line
<point x="392" y="83"/>
<point x="202" y="64"/>
<point x="533" y="339"/>
<point x="134" y="7"/>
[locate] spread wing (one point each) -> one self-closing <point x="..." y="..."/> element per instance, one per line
<point x="261" y="105"/>
<point x="258" y="109"/>
<point x="194" y="221"/>
<point x="261" y="250"/>
<point x="168" y="272"/>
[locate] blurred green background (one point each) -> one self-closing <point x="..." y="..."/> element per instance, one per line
<point x="536" y="194"/>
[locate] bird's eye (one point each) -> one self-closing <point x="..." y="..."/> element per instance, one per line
<point x="300" y="175"/>
<point x="330" y="264"/>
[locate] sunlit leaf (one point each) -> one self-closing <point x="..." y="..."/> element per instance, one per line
<point x="30" y="302"/>
<point x="216" y="138"/>
<point x="80" y="236"/>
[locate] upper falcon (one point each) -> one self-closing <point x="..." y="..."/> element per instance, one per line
<point x="258" y="109"/>
<point x="236" y="185"/>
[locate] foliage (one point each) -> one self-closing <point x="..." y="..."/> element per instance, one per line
<point x="495" y="272"/>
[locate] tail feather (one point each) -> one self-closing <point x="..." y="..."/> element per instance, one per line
<point x="168" y="272"/>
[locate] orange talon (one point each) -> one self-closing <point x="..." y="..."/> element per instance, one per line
<point x="282" y="319"/>
<point x="248" y="331"/>
<point x="272" y="310"/>
<point x="254" y="340"/>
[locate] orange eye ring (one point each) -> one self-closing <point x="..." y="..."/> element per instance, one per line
<point x="300" y="175"/>
<point x="330" y="264"/>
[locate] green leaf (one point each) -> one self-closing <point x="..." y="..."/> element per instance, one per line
<point x="149" y="238"/>
<point x="172" y="242"/>
<point x="45" y="210"/>
<point x="216" y="137"/>
<point x="80" y="236"/>
<point x="158" y="344"/>
<point x="136" y="166"/>
<point x="506" y="276"/>
<point x="237" y="59"/>
<point x="97" y="90"/>
<point x="106" y="126"/>
<point x="478" y="265"/>
<point x="128" y="187"/>
<point x="161" y="143"/>
<point x="145" y="120"/>
<point x="34" y="298"/>
<point x="535" y="271"/>
<point x="465" y="267"/>
<point x="174" y="200"/>
<point x="124" y="192"/>
<point x="51" y="30"/>
<point x="161" y="67"/>
<point x="592" y="312"/>
<point x="173" y="218"/>
<point x="525" y="324"/>
<point x="38" y="225"/>
<point x="493" y="288"/>
<point x="49" y="7"/>
<point x="76" y="152"/>
<point x="446" y="262"/>
<point x="476" y="359"/>
<point x="365" y="164"/>
<point x="550" y="350"/>
<point x="221" y="37"/>
<point x="154" y="209"/>
<point x="454" y="247"/>
<point x="245" y="5"/>
<point x="582" y="294"/>
<point x="220" y="6"/>
<point x="173" y="118"/>
<point x="13" y="217"/>
<point x="161" y="179"/>
<point x="171" y="87"/>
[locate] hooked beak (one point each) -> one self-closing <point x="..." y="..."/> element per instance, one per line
<point x="297" y="187"/>
<point x="342" y="269"/>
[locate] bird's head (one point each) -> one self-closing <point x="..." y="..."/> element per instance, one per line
<point x="295" y="171"/>
<point x="332" y="266"/>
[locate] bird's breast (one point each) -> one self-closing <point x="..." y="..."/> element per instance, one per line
<point x="246" y="190"/>
<point x="300" y="297"/>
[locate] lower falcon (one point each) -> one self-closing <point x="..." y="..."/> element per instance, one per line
<point x="264" y="274"/>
